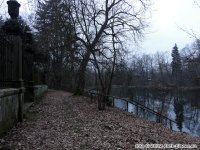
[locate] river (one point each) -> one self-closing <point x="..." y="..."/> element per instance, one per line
<point x="180" y="106"/>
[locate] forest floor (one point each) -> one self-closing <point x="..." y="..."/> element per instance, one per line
<point x="61" y="121"/>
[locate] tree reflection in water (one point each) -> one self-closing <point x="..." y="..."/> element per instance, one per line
<point x="178" y="109"/>
<point x="181" y="106"/>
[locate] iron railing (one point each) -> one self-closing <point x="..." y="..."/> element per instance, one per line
<point x="7" y="64"/>
<point x="138" y="105"/>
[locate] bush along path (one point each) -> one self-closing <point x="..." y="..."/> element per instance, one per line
<point x="61" y="121"/>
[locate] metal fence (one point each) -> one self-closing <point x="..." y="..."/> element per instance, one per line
<point x="160" y="118"/>
<point x="7" y="64"/>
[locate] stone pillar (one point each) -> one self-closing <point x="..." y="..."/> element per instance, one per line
<point x="13" y="29"/>
<point x="28" y="62"/>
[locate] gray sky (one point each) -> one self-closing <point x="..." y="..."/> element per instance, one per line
<point x="167" y="17"/>
<point x="163" y="33"/>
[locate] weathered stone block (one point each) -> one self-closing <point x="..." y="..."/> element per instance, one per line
<point x="9" y="106"/>
<point x="39" y="90"/>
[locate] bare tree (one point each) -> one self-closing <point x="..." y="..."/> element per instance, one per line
<point x="106" y="67"/>
<point x="93" y="20"/>
<point x="163" y="68"/>
<point x="191" y="32"/>
<point x="191" y="62"/>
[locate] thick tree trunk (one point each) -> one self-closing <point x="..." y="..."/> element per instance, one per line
<point x="80" y="81"/>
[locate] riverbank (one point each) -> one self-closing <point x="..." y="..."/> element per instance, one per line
<point x="181" y="88"/>
<point x="63" y="121"/>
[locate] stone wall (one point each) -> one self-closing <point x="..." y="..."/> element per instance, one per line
<point x="39" y="90"/>
<point x="9" y="108"/>
<point x="17" y="90"/>
<point x="10" y="104"/>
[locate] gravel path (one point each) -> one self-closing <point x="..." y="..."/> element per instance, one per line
<point x="63" y="121"/>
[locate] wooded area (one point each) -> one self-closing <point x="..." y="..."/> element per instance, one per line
<point x="80" y="49"/>
<point x="83" y="45"/>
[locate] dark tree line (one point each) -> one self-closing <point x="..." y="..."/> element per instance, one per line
<point x="181" y="69"/>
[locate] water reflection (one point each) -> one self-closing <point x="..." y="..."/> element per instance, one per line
<point x="183" y="107"/>
<point x="178" y="109"/>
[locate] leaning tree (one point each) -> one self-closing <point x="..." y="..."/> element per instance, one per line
<point x="94" y="21"/>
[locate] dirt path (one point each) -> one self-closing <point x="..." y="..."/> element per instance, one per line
<point x="62" y="121"/>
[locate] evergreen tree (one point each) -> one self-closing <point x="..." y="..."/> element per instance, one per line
<point x="55" y="36"/>
<point x="176" y="65"/>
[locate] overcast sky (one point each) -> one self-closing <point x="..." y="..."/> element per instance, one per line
<point x="164" y="31"/>
<point x="167" y="17"/>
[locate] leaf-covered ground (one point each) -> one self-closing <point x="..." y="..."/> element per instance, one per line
<point x="63" y="121"/>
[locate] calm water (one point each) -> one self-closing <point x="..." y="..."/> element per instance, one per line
<point x="183" y="107"/>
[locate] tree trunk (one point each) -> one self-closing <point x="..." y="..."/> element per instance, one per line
<point x="102" y="99"/>
<point x="80" y="81"/>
